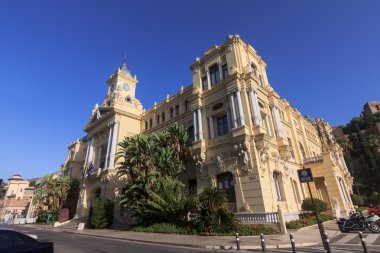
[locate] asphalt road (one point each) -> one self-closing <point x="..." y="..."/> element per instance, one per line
<point x="65" y="242"/>
<point x="74" y="243"/>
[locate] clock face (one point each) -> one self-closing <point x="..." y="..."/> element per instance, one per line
<point x="126" y="87"/>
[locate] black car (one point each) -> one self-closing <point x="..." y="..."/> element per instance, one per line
<point x="15" y="242"/>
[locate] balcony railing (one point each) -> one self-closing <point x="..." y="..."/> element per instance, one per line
<point x="314" y="159"/>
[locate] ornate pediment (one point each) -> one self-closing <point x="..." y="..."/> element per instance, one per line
<point x="97" y="114"/>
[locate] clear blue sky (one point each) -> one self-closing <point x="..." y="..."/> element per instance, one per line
<point x="55" y="56"/>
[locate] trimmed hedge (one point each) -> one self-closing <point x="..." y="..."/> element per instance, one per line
<point x="163" y="228"/>
<point x="307" y="220"/>
<point x="320" y="205"/>
<point x="167" y="228"/>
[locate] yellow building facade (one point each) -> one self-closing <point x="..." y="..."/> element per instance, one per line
<point x="246" y="138"/>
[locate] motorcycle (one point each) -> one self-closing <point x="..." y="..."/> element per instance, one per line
<point x="356" y="221"/>
<point x="373" y="223"/>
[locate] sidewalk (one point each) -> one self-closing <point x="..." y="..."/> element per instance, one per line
<point x="303" y="237"/>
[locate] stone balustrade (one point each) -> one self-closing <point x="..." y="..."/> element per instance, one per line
<point x="314" y="159"/>
<point x="258" y="218"/>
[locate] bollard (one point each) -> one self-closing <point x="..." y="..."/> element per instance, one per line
<point x="263" y="247"/>
<point x="237" y="241"/>
<point x="327" y="243"/>
<point x="293" y="243"/>
<point x="364" y="244"/>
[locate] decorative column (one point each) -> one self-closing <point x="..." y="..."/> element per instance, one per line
<point x="269" y="129"/>
<point x="228" y="119"/>
<point x="211" y="125"/>
<point x="255" y="109"/>
<point x="208" y="79"/>
<point x="87" y="151"/>
<point x="220" y="71"/>
<point x="234" y="122"/>
<point x="200" y="131"/>
<point x="240" y="106"/>
<point x="91" y="150"/>
<point x="195" y="125"/>
<point x="99" y="156"/>
<point x="114" y="143"/>
<point x="277" y="121"/>
<point x="109" y="144"/>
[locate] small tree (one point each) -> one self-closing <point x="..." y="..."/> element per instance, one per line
<point x="357" y="200"/>
<point x="213" y="216"/>
<point x="102" y="213"/>
<point x="320" y="205"/>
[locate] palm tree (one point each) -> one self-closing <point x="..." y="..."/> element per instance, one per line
<point x="212" y="199"/>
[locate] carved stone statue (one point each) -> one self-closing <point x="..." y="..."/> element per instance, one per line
<point x="201" y="167"/>
<point x="245" y="157"/>
<point x="95" y="109"/>
<point x="213" y="181"/>
<point x="263" y="156"/>
<point x="246" y="207"/>
<point x="219" y="163"/>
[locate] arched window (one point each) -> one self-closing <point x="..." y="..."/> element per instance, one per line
<point x="226" y="182"/>
<point x="302" y="150"/>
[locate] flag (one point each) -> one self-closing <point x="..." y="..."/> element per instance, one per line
<point x="85" y="169"/>
<point x="90" y="169"/>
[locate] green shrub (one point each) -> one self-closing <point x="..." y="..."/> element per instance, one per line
<point x="374" y="199"/>
<point x="164" y="228"/>
<point x="357" y="200"/>
<point x="320" y="205"/>
<point x="307" y="219"/>
<point x="250" y="229"/>
<point x="43" y="216"/>
<point x="102" y="213"/>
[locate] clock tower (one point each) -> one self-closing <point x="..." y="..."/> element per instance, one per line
<point x="121" y="89"/>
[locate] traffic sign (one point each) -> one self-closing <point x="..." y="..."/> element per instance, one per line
<point x="305" y="175"/>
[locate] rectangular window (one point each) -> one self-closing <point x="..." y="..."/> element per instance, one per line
<point x="146" y="124"/>
<point x="277" y="187"/>
<point x="186" y="105"/>
<point x="214" y="75"/>
<point x="222" y="125"/>
<point x="295" y="191"/>
<point x="176" y="109"/>
<point x="150" y="123"/>
<point x="225" y="71"/>
<point x="204" y="83"/>
<point x="260" y="80"/>
<point x="163" y="116"/>
<point x="171" y="112"/>
<point x="158" y="119"/>
<point x="343" y="189"/>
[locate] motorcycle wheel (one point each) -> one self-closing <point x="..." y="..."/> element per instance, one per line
<point x="374" y="227"/>
<point x="343" y="229"/>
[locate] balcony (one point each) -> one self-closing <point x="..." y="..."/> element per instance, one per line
<point x="314" y="159"/>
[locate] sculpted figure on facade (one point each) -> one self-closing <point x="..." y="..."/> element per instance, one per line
<point x="213" y="181"/>
<point x="201" y="167"/>
<point x="219" y="163"/>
